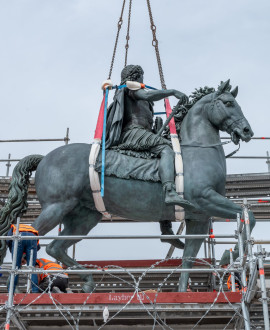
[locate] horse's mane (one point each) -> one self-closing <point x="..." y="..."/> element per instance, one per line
<point x="182" y="109"/>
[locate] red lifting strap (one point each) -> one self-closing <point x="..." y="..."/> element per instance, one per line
<point x="99" y="127"/>
<point x="168" y="112"/>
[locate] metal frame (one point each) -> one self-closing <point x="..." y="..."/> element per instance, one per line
<point x="66" y="139"/>
<point x="248" y="263"/>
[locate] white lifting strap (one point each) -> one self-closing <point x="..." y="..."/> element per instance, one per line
<point x="179" y="176"/>
<point x="94" y="180"/>
<point x="95" y="183"/>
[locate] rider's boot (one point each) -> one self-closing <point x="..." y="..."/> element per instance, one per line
<point x="166" y="229"/>
<point x="172" y="198"/>
<point x="166" y="173"/>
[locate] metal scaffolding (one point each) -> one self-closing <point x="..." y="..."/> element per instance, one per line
<point x="66" y="139"/>
<point x="248" y="265"/>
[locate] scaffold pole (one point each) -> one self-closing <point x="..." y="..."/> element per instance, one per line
<point x="263" y="288"/>
<point x="243" y="273"/>
<point x="31" y="266"/>
<point x="247" y="228"/>
<point x="12" y="277"/>
<point x="232" y="273"/>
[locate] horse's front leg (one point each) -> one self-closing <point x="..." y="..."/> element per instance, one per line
<point x="217" y="205"/>
<point x="192" y="247"/>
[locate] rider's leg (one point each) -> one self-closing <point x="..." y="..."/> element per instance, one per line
<point x="166" y="173"/>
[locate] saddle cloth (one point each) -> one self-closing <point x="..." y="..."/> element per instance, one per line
<point x="127" y="167"/>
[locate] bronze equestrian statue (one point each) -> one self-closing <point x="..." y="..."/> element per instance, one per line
<point x="136" y="191"/>
<point x="130" y="124"/>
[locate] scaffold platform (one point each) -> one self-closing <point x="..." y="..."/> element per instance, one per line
<point x="129" y="308"/>
<point x="178" y="310"/>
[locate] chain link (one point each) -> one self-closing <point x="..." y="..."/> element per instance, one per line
<point x="128" y="28"/>
<point x="119" y="25"/>
<point x="155" y="45"/>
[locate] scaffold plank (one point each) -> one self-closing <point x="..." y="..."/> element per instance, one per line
<point x="123" y="298"/>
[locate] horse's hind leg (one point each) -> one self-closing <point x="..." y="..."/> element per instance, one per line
<point x="192" y="247"/>
<point x="79" y="222"/>
<point x="52" y="215"/>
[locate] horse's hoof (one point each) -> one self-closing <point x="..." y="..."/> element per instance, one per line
<point x="174" y="242"/>
<point x="88" y="287"/>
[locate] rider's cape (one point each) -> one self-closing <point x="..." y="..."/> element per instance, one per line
<point x="115" y="119"/>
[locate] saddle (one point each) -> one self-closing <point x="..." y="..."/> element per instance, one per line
<point x="125" y="166"/>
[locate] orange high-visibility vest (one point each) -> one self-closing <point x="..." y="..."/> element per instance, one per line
<point x="25" y="228"/>
<point x="229" y="284"/>
<point x="46" y="265"/>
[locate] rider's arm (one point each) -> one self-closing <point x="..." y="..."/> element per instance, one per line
<point x="157" y="95"/>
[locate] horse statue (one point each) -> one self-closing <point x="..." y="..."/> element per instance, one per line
<point x="63" y="189"/>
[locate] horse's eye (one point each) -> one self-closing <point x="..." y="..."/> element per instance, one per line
<point x="228" y="104"/>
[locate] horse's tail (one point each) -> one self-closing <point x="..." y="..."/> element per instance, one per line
<point x="16" y="203"/>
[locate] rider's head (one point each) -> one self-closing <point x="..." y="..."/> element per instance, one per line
<point x="132" y="73"/>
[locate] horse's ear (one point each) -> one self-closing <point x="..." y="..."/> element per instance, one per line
<point x="224" y="86"/>
<point x="234" y="92"/>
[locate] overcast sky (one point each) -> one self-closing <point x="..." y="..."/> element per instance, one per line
<point x="55" y="54"/>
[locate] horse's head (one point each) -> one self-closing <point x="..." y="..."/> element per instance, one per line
<point x="226" y="114"/>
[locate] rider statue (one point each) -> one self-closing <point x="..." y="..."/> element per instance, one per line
<point x="130" y="127"/>
<point x="130" y="123"/>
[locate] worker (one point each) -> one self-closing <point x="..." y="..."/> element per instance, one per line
<point x="237" y="279"/>
<point x="57" y="283"/>
<point x="238" y="282"/>
<point x="25" y="247"/>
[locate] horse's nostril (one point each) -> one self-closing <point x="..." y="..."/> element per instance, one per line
<point x="246" y="129"/>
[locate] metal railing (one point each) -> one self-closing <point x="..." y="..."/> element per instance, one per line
<point x="248" y="262"/>
<point x="66" y="139"/>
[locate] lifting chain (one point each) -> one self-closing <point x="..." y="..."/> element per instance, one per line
<point x="154" y="41"/>
<point x="119" y="25"/>
<point x="155" y="45"/>
<point x="128" y="27"/>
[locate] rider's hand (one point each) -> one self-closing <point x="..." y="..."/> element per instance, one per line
<point x="181" y="96"/>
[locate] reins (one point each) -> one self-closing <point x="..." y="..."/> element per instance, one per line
<point x="207" y="146"/>
<point x="212" y="146"/>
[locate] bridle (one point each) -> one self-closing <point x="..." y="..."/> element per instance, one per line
<point x="228" y="125"/>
